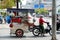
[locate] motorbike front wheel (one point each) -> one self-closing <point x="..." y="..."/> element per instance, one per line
<point x="50" y="32"/>
<point x="35" y="32"/>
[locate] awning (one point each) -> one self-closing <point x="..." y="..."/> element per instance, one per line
<point x="19" y="10"/>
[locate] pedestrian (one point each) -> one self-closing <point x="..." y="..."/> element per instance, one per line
<point x="8" y="19"/>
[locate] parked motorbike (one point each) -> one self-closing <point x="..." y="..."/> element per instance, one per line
<point x="37" y="30"/>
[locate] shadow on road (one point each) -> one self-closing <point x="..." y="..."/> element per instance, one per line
<point x="22" y="37"/>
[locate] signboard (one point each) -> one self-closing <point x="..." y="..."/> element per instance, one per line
<point x="36" y="6"/>
<point x="39" y="5"/>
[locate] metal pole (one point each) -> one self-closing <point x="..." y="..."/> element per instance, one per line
<point x="17" y="6"/>
<point x="19" y="1"/>
<point x="53" y="20"/>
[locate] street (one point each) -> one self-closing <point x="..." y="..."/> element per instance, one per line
<point x="5" y="35"/>
<point x="48" y="9"/>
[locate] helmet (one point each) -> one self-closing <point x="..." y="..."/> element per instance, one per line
<point x="41" y="15"/>
<point x="11" y="14"/>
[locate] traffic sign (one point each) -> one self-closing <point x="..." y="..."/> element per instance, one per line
<point x="41" y="5"/>
<point x="36" y="6"/>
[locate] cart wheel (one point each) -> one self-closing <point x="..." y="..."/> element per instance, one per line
<point x="19" y="32"/>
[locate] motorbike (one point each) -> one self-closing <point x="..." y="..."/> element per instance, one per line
<point x="37" y="30"/>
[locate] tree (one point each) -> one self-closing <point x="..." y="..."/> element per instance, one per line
<point x="54" y="20"/>
<point x="7" y="4"/>
<point x="41" y="10"/>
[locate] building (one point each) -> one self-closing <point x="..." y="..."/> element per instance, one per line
<point x="47" y="4"/>
<point x="29" y="4"/>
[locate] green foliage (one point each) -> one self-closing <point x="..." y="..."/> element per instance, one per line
<point x="41" y="10"/>
<point x="3" y="14"/>
<point x="7" y="4"/>
<point x="19" y="0"/>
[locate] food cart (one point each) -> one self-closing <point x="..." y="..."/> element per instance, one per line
<point x="19" y="23"/>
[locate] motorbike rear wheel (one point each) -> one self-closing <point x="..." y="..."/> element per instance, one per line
<point x="36" y="32"/>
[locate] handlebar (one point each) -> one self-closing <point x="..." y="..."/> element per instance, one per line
<point x="47" y="22"/>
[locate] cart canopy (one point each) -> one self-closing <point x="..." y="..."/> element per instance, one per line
<point x="20" y="10"/>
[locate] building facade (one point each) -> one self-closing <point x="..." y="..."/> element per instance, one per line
<point x="47" y="4"/>
<point x="30" y="4"/>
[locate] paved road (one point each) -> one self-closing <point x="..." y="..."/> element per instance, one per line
<point x="5" y="30"/>
<point x="5" y="34"/>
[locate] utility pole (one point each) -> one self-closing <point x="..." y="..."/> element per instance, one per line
<point x="17" y="6"/>
<point x="19" y="3"/>
<point x="53" y="20"/>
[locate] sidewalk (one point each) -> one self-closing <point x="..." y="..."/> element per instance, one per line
<point x="50" y="37"/>
<point x="30" y="36"/>
<point x="4" y="25"/>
